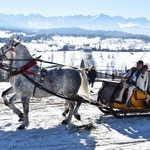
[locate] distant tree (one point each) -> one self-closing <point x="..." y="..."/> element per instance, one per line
<point x="101" y="55"/>
<point x="113" y="55"/>
<point x="64" y="57"/>
<point x="52" y="57"/>
<point x="65" y="48"/>
<point x="89" y="60"/>
<point x="72" y="59"/>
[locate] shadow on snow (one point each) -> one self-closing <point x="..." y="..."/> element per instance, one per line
<point x="133" y="127"/>
<point x="59" y="137"/>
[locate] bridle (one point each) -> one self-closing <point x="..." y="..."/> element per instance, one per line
<point x="4" y="66"/>
<point x="11" y="49"/>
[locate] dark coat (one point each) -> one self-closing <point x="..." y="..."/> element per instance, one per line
<point x="129" y="81"/>
<point x="92" y="75"/>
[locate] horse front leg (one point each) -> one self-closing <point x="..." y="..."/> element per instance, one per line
<point x="5" y="93"/>
<point x="10" y="103"/>
<point x="15" y="109"/>
<point x="25" y="104"/>
<point x="71" y="108"/>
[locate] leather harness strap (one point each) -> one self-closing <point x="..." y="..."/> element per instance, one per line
<point x="25" y="68"/>
<point x="40" y="83"/>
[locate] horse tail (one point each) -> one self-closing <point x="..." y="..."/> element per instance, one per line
<point x="84" y="83"/>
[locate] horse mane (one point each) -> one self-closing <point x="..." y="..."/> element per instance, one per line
<point x="18" y="41"/>
<point x="24" y="48"/>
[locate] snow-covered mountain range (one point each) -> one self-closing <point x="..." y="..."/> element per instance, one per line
<point x="139" y="25"/>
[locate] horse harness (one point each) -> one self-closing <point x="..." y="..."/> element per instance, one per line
<point x="24" y="71"/>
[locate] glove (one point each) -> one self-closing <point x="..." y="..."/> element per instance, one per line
<point x="128" y="103"/>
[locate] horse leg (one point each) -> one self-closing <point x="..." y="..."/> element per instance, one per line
<point x="15" y="109"/>
<point x="75" y="112"/>
<point x="10" y="102"/>
<point x="5" y="93"/>
<point x="25" y="104"/>
<point x="71" y="108"/>
<point x="66" y="111"/>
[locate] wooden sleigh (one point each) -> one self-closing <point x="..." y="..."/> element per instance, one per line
<point x="108" y="94"/>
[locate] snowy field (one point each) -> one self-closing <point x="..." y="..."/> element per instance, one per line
<point x="46" y="132"/>
<point x="102" y="60"/>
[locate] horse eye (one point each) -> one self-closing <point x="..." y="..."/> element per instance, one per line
<point x="7" y="47"/>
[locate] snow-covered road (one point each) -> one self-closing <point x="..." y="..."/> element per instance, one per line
<point x="46" y="132"/>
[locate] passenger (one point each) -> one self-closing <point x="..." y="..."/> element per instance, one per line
<point x="140" y="82"/>
<point x="148" y="89"/>
<point x="125" y="81"/>
<point x="130" y="78"/>
<point x="145" y="68"/>
<point x="147" y="101"/>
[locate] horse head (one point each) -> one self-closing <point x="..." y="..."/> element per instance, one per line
<point x="7" y="51"/>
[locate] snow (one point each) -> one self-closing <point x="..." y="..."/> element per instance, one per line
<point x="46" y="132"/>
<point x="104" y="61"/>
<point x="128" y="25"/>
<point x="4" y="34"/>
<point x="57" y="42"/>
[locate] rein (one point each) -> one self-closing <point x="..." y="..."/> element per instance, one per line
<point x="41" y="60"/>
<point x="25" y="73"/>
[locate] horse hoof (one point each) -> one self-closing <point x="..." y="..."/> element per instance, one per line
<point x="6" y="103"/>
<point x="20" y="120"/>
<point x="21" y="127"/>
<point x="20" y="117"/>
<point x="78" y="117"/>
<point x="64" y="122"/>
<point x="64" y="114"/>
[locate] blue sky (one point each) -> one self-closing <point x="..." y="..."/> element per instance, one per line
<point x="124" y="8"/>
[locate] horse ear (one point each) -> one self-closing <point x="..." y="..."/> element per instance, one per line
<point x="18" y="38"/>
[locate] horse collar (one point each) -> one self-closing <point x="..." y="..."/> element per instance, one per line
<point x="25" y="68"/>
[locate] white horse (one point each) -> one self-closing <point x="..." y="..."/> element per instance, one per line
<point x="62" y="81"/>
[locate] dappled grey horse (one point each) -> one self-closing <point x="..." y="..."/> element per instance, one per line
<point x="64" y="81"/>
